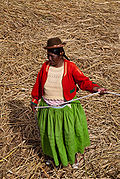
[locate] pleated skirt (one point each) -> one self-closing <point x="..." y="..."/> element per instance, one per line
<point x="63" y="132"/>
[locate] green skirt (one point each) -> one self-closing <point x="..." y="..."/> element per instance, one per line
<point x="63" y="132"/>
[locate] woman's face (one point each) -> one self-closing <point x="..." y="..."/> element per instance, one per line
<point x="54" y="59"/>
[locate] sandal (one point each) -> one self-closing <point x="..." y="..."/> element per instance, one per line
<point x="75" y="165"/>
<point x="48" y="162"/>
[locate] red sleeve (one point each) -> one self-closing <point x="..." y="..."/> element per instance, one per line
<point x="40" y="81"/>
<point x="83" y="81"/>
<point x="36" y="90"/>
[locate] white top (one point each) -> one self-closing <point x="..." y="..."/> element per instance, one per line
<point x="53" y="87"/>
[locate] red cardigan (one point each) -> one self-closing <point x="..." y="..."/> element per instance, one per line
<point x="72" y="76"/>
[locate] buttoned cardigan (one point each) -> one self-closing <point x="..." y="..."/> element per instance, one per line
<point x="71" y="76"/>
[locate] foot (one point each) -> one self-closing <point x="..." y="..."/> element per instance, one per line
<point x="48" y="162"/>
<point x="75" y="165"/>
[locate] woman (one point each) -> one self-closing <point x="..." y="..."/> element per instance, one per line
<point x="63" y="129"/>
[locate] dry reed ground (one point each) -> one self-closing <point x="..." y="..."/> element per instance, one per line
<point x="92" y="31"/>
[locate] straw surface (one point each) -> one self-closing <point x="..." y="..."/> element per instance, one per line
<point x="91" y="29"/>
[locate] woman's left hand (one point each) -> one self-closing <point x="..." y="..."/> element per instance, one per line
<point x="101" y="90"/>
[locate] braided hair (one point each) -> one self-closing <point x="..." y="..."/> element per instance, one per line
<point x="58" y="51"/>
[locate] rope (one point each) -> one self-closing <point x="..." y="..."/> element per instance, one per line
<point x="112" y="93"/>
<point x="67" y="102"/>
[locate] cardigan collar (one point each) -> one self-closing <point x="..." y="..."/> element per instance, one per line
<point x="65" y="67"/>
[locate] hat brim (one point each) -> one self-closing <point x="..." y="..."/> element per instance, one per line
<point x="55" y="46"/>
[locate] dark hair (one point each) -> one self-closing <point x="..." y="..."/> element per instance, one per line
<point x="57" y="51"/>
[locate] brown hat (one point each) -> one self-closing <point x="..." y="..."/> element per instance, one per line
<point x="54" y="43"/>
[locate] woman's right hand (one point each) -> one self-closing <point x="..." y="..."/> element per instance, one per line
<point x="33" y="107"/>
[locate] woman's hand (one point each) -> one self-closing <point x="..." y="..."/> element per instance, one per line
<point x="33" y="107"/>
<point x="101" y="90"/>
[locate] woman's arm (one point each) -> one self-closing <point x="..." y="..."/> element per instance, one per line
<point x="84" y="82"/>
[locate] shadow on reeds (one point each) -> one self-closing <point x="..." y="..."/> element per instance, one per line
<point x="23" y="124"/>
